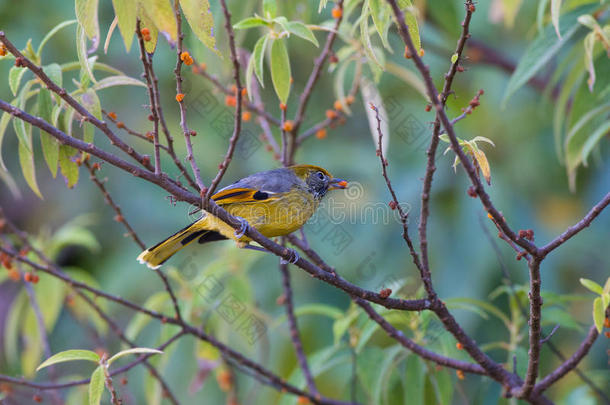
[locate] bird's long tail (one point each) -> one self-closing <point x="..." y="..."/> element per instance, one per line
<point x="155" y="256"/>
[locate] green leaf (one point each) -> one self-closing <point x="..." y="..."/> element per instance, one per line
<point x="154" y="33"/>
<point x="454" y="58"/>
<point x="91" y="102"/>
<point x="112" y="81"/>
<point x="86" y="14"/>
<point x="250" y="22"/>
<point x="592" y="286"/>
<point x="26" y="159"/>
<point x="69" y="169"/>
<point x="341" y="325"/>
<point x="53" y="70"/>
<point x="411" y="22"/>
<point x="381" y="20"/>
<point x="126" y="12"/>
<point x="50" y="34"/>
<point x="555" y="9"/>
<point x="4" y="121"/>
<point x="81" y="51"/>
<point x="135" y="350"/>
<point x="96" y="386"/>
<point x="574" y="140"/>
<point x="14" y="78"/>
<point x="301" y="30"/>
<point x="258" y="56"/>
<point x="201" y="20"/>
<point x="598" y="314"/>
<point x="280" y="69"/>
<point x="542" y="49"/>
<point x="162" y="15"/>
<point x="269" y="8"/>
<point x="365" y="38"/>
<point x="50" y="146"/>
<point x="70" y="355"/>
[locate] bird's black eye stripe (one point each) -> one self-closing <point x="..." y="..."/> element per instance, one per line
<point x="321" y="175"/>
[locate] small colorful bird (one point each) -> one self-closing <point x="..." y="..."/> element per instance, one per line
<point x="275" y="202"/>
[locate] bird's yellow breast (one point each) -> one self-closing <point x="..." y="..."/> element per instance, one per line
<point x="275" y="217"/>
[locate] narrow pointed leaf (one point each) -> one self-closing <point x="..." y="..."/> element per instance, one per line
<point x="258" y="56"/>
<point x="201" y="20"/>
<point x="51" y="33"/>
<point x="53" y="70"/>
<point x="147" y="22"/>
<point x="555" y="9"/>
<point x="249" y="22"/>
<point x="592" y="286"/>
<point x="86" y="14"/>
<point x="301" y="30"/>
<point x="50" y="146"/>
<point x="126" y="12"/>
<point x="280" y="69"/>
<point x="70" y="355"/>
<point x="269" y="8"/>
<point x="119" y="80"/>
<point x="135" y="350"/>
<point x="69" y="168"/>
<point x="598" y="314"/>
<point x="96" y="386"/>
<point x="4" y="121"/>
<point x="14" y="78"/>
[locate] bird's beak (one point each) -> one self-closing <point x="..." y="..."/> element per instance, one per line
<point x="337" y="184"/>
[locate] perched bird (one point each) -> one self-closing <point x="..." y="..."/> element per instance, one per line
<point x="275" y="202"/>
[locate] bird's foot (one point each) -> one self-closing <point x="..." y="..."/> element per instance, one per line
<point x="294" y="257"/>
<point x="243" y="228"/>
<point x="257" y="248"/>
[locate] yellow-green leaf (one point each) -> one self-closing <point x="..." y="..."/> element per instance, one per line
<point x="598" y="314"/>
<point x="258" y="56"/>
<point x="86" y="14"/>
<point x="50" y="146"/>
<point x="479" y="155"/>
<point x="69" y="169"/>
<point x="96" y="386"/>
<point x="70" y="355"/>
<point x="14" y="78"/>
<point x="126" y="12"/>
<point x="26" y="159"/>
<point x="201" y="20"/>
<point x="411" y="21"/>
<point x="555" y="8"/>
<point x="162" y="15"/>
<point x="4" y="121"/>
<point x="135" y="350"/>
<point x="280" y="69"/>
<point x="147" y="22"/>
<point x="592" y="286"/>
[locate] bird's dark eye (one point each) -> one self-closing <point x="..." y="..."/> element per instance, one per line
<point x="321" y="175"/>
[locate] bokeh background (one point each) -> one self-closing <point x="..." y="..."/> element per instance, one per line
<point x="529" y="185"/>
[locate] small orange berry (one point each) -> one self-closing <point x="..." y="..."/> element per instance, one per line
<point x="112" y="115"/>
<point x="408" y="53"/>
<point x="149" y="135"/>
<point x="282" y="106"/>
<point x="184" y="56"/>
<point x="230" y="101"/>
<point x="179" y="97"/>
<point x="120" y="124"/>
<point x="146" y="38"/>
<point x="421" y="52"/>
<point x="244" y="92"/>
<point x="288" y="126"/>
<point x="349" y="100"/>
<point x="428" y="107"/>
<point x="489" y="216"/>
<point x="35" y="278"/>
<point x="607" y="334"/>
<point x="225" y="380"/>
<point x="460" y="374"/>
<point x="2" y="50"/>
<point x="145" y="32"/>
<point x="234" y="89"/>
<point x="188" y="61"/>
<point x="331" y="114"/>
<point x="246" y="116"/>
<point x="459" y="346"/>
<point x="27" y="277"/>
<point x="202" y="66"/>
<point x="303" y="401"/>
<point x="13" y="274"/>
<point x="337" y="12"/>
<point x="385" y="293"/>
<point x="337" y="105"/>
<point x="471" y="8"/>
<point x="321" y="133"/>
<point x="607" y="322"/>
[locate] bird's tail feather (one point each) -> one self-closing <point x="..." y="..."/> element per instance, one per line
<point x="155" y="256"/>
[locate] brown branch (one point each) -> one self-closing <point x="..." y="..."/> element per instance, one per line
<point x="130" y="131"/>
<point x="238" y="106"/>
<point x="86" y="115"/>
<point x="179" y="92"/>
<point x="119" y="217"/>
<point x="570" y="364"/>
<point x="431" y="152"/>
<point x="579" y="226"/>
<point x="534" y="330"/>
<point x="294" y="329"/>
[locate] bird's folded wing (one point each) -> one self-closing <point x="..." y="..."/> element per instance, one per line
<point x="243" y="195"/>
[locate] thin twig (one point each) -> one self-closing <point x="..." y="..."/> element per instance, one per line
<point x="238" y="106"/>
<point x="294" y="329"/>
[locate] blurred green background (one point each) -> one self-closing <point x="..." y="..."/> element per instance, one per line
<point x="529" y="186"/>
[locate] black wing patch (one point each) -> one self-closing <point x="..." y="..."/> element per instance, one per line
<point x="229" y="195"/>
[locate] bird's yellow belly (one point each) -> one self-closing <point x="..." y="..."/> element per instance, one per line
<point x="272" y="218"/>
